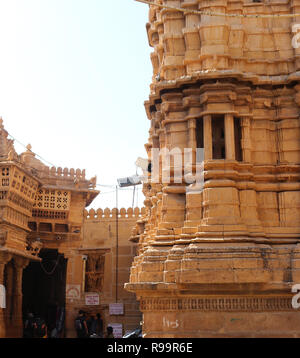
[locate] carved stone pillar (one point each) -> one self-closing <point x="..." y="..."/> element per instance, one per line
<point x="9" y="278"/>
<point x="229" y="137"/>
<point x="192" y="142"/>
<point x="17" y="314"/>
<point x="246" y="141"/>
<point x="4" y="258"/>
<point x="207" y="137"/>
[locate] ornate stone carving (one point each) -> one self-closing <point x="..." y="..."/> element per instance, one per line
<point x="224" y="304"/>
<point x="94" y="275"/>
<point x="34" y="247"/>
<point x="3" y="237"/>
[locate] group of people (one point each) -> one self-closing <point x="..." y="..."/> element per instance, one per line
<point x="91" y="326"/>
<point x="35" y="327"/>
<point x="86" y="326"/>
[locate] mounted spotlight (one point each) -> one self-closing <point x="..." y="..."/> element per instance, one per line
<point x="129" y="181"/>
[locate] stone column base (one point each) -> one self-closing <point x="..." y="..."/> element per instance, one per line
<point x="220" y="317"/>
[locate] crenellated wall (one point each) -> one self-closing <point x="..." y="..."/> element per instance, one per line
<point x="99" y="214"/>
<point x="66" y="173"/>
<point x="105" y="239"/>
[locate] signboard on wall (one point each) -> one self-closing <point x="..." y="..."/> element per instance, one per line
<point x="92" y="299"/>
<point x="116" y="309"/>
<point x="73" y="292"/>
<point x="2" y="297"/>
<point x="117" y="329"/>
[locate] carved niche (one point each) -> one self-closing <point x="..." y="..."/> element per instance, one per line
<point x="94" y="272"/>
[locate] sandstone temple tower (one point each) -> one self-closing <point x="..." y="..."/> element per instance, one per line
<point x="221" y="261"/>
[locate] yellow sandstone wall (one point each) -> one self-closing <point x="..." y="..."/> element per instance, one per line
<point x="220" y="259"/>
<point x="99" y="237"/>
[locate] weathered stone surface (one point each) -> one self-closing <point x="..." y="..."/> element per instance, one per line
<point x="222" y="84"/>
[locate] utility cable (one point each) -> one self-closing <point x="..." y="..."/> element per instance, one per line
<point x="16" y="140"/>
<point x="54" y="268"/>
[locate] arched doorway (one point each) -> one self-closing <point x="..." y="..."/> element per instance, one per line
<point x="44" y="287"/>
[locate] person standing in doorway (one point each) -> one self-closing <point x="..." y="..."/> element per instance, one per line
<point x="29" y="326"/>
<point x="81" y="326"/>
<point x="99" y="325"/>
<point x="92" y="325"/>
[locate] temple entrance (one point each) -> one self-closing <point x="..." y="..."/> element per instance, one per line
<point x="44" y="288"/>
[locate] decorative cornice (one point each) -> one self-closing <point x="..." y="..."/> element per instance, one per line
<point x="224" y="304"/>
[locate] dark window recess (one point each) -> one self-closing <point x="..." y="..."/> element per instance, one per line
<point x="32" y="226"/>
<point x="238" y="139"/>
<point x="61" y="228"/>
<point x="46" y="227"/>
<point x="199" y="133"/>
<point x="218" y="137"/>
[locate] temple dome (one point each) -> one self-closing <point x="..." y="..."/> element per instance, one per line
<point x="30" y="160"/>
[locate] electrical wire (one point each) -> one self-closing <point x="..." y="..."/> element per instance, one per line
<point x="212" y="13"/>
<point x="99" y="185"/>
<point x="46" y="161"/>
<point x="16" y="140"/>
<point x="105" y="186"/>
<point x="54" y="268"/>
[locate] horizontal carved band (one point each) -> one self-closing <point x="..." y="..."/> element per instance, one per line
<point x="230" y="304"/>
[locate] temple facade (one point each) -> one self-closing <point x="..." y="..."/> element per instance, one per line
<point x="219" y="258"/>
<point x="55" y="256"/>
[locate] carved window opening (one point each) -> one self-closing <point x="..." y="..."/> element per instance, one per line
<point x="5" y="177"/>
<point x="5" y="172"/>
<point x="61" y="228"/>
<point x="45" y="227"/>
<point x="238" y="139"/>
<point x="3" y="195"/>
<point x="50" y="214"/>
<point x="5" y="182"/>
<point x="94" y="272"/>
<point x="32" y="226"/>
<point x="53" y="199"/>
<point x="218" y="137"/>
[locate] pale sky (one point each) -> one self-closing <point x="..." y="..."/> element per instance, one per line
<point x="74" y="75"/>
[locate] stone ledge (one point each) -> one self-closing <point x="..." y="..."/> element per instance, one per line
<point x="224" y="304"/>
